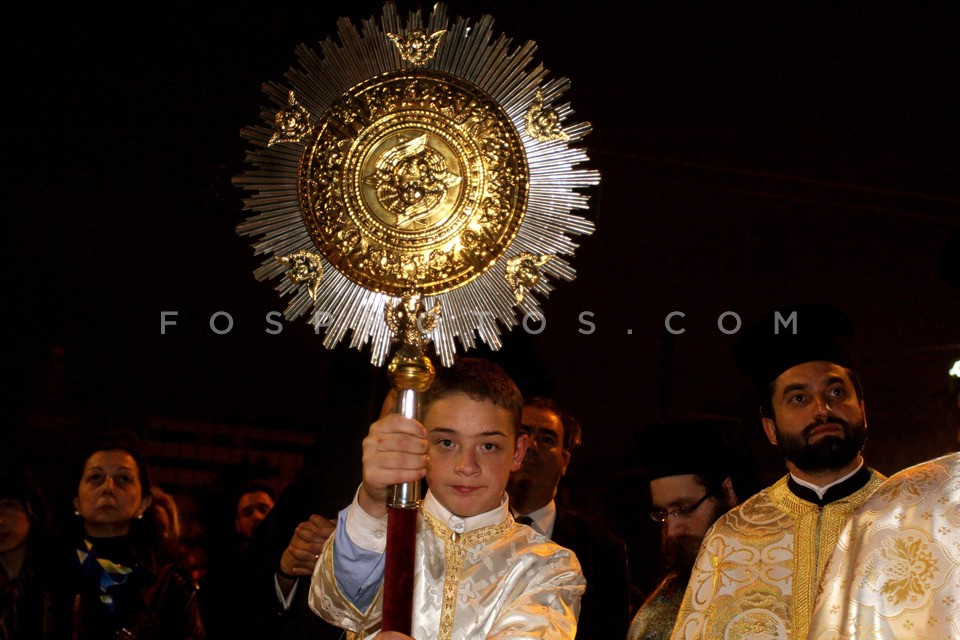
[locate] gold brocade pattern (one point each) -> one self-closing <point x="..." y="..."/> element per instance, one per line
<point x="761" y="614"/>
<point x="895" y="572"/>
<point x="455" y="550"/>
<point x="757" y="572"/>
<point x="910" y="567"/>
<point x="495" y="582"/>
<point x="656" y="616"/>
<point x="816" y="531"/>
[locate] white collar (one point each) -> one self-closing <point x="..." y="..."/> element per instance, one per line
<point x="543" y="518"/>
<point x="820" y="491"/>
<point x="470" y="523"/>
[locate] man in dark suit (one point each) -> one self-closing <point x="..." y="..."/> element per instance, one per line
<point x="552" y="435"/>
<point x="283" y="553"/>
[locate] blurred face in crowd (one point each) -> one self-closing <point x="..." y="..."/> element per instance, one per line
<point x="689" y="516"/>
<point x="473" y="448"/>
<point x="14" y="525"/>
<point x="252" y="508"/>
<point x="819" y="424"/>
<point x="535" y="483"/>
<point x="109" y="496"/>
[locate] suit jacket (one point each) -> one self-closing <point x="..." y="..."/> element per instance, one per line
<point x="264" y="617"/>
<point x="605" y="606"/>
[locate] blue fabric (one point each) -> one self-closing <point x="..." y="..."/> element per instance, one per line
<point x="359" y="571"/>
<point x="107" y="574"/>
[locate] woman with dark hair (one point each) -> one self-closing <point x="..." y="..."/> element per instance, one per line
<point x="23" y="527"/>
<point x="114" y="584"/>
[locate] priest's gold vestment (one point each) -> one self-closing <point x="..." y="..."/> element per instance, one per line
<point x="757" y="572"/>
<point x="658" y="613"/>
<point x="896" y="570"/>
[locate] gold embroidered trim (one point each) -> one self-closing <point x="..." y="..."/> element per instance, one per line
<point x="816" y="531"/>
<point x="455" y="547"/>
<point x="369" y="622"/>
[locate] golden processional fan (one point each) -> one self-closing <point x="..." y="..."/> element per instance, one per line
<point x="415" y="183"/>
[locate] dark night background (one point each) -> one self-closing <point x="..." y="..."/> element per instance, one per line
<point x="752" y="156"/>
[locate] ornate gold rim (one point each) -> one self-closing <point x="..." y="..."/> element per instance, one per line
<point x="361" y="206"/>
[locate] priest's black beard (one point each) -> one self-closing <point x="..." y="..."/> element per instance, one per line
<point x="829" y="453"/>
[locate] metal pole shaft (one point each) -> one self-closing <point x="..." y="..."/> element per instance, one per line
<point x="410" y="374"/>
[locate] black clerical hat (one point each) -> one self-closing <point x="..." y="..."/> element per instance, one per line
<point x="700" y="445"/>
<point x="787" y="337"/>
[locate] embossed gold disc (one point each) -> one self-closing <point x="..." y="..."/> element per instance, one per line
<point x="420" y="159"/>
<point x="413" y="178"/>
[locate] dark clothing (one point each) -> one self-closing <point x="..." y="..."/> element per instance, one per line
<point x="24" y="605"/>
<point x="223" y="592"/>
<point x="605" y="607"/>
<point x="265" y="617"/>
<point x="154" y="602"/>
<point x="837" y="492"/>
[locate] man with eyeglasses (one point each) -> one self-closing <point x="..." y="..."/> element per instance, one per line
<point x="552" y="435"/>
<point x="758" y="570"/>
<point x="698" y="468"/>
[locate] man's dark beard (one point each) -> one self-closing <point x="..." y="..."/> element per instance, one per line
<point x="680" y="553"/>
<point x="830" y="452"/>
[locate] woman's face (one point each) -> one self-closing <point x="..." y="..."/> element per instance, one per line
<point x="110" y="496"/>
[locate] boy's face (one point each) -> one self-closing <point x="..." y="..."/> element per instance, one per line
<point x="473" y="449"/>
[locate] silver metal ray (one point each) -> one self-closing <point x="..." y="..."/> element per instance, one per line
<point x="509" y="75"/>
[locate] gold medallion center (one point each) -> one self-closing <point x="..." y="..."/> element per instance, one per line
<point x="413" y="179"/>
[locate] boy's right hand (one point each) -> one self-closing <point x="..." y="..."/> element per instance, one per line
<point x="394" y="452"/>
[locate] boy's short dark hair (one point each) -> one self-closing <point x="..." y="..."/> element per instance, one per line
<point x="479" y="380"/>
